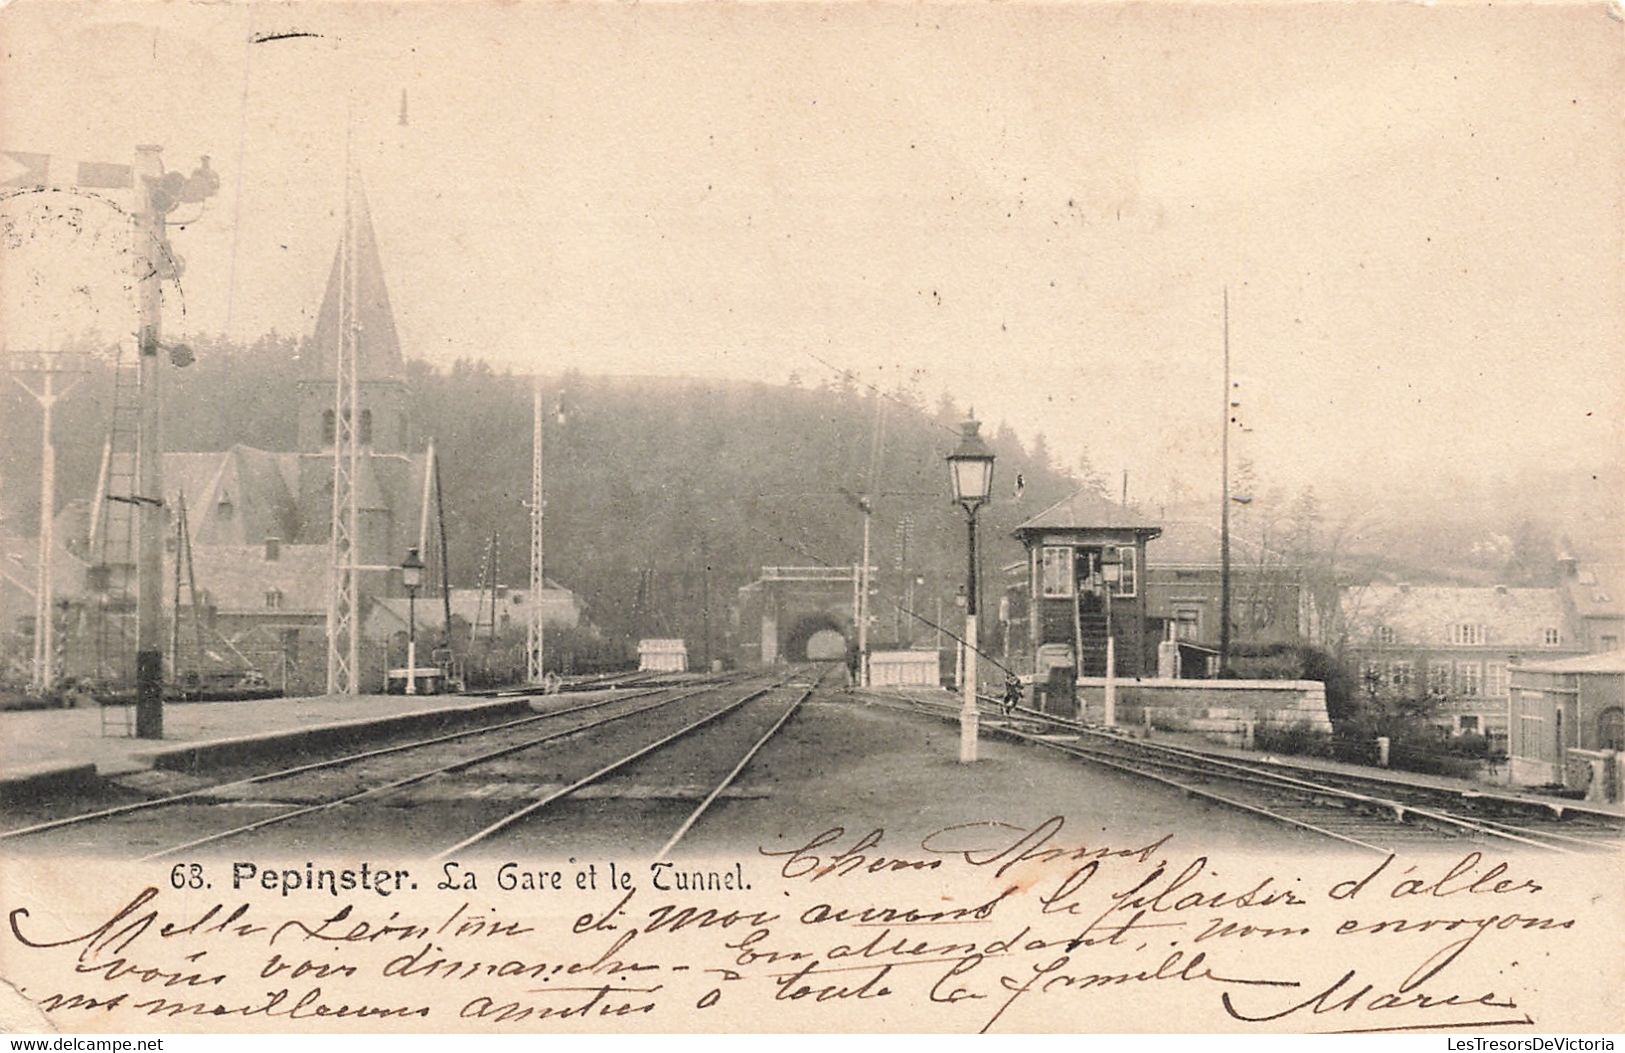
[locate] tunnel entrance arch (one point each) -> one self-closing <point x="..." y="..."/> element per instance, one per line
<point x="804" y="613"/>
<point x="816" y="637"/>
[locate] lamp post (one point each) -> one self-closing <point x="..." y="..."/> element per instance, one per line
<point x="412" y="577"/>
<point x="970" y="468"/>
<point x="1111" y="572"/>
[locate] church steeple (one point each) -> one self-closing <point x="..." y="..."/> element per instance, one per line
<point x="379" y="366"/>
<point x="380" y="349"/>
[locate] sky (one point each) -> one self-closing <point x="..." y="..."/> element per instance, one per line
<point x="1037" y="208"/>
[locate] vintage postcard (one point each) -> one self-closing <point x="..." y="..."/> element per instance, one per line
<point x="812" y="517"/>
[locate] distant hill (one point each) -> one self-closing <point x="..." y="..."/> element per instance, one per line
<point x="661" y="491"/>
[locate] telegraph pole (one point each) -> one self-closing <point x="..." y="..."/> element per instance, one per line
<point x="534" y="630"/>
<point x="149" y="251"/>
<point x="50" y="365"/>
<point x="1224" y="512"/>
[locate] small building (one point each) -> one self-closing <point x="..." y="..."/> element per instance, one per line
<point x="1567" y="724"/>
<point x="912" y="668"/>
<point x="502" y="610"/>
<point x="663" y="656"/>
<point x="1073" y="610"/>
<point x="1270" y="598"/>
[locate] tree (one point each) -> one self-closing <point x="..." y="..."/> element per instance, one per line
<point x="1087" y="476"/>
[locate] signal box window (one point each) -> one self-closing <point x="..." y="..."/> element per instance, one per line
<point x="1128" y="582"/>
<point x="1057" y="570"/>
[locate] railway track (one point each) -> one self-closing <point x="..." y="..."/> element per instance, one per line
<point x="685" y="785"/>
<point x="1372" y="813"/>
<point x="292" y="783"/>
<point x="411" y="797"/>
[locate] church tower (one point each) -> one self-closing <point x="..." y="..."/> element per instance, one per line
<point x="383" y="427"/>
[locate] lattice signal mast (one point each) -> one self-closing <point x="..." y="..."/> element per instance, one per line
<point x="343" y="596"/>
<point x="534" y="631"/>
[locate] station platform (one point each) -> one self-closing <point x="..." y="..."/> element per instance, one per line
<point x="53" y="746"/>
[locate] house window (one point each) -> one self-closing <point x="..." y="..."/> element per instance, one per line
<point x="1386" y="634"/>
<point x="1467" y="723"/>
<point x="1469" y="678"/>
<point x="1057" y="566"/>
<point x="1399" y="674"/>
<point x="1495" y="679"/>
<point x="1551" y="637"/>
<point x="1371" y="675"/>
<point x="1466" y="634"/>
<point x="1129" y="582"/>
<point x="1439" y="677"/>
<point x="1187" y="624"/>
<point x="1608" y="642"/>
<point x="327" y="426"/>
<point x="273" y="599"/>
<point x="366" y="426"/>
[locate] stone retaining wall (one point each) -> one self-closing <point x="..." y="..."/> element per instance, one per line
<point x="1219" y="709"/>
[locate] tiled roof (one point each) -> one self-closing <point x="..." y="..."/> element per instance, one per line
<point x="1598" y="590"/>
<point x="19" y="568"/>
<point x="1607" y="662"/>
<point x="389" y="615"/>
<point x="1086" y="510"/>
<point x="1424" y="614"/>
<point x="239" y="497"/>
<point x="237" y="577"/>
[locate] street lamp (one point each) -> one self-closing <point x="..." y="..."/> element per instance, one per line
<point x="1111" y="572"/>
<point x="412" y="577"/>
<point x="970" y="467"/>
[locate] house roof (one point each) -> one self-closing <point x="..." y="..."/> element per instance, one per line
<point x="1424" y="614"/>
<point x="19" y="569"/>
<point x="238" y="577"/>
<point x="1607" y="662"/>
<point x="1597" y="590"/>
<point x="390" y="614"/>
<point x="1088" y="510"/>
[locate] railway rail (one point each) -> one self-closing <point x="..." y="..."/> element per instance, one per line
<point x="1378" y="814"/>
<point x="751" y="730"/>
<point x="235" y="788"/>
<point x="567" y="750"/>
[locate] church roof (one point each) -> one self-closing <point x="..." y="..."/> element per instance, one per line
<point x="239" y="497"/>
<point x="379" y="347"/>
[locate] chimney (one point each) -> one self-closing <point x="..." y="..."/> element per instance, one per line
<point x="273" y="549"/>
<point x="1500" y="590"/>
<point x="1404" y="586"/>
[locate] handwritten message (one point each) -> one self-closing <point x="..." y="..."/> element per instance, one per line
<point x="989" y="926"/>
